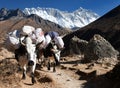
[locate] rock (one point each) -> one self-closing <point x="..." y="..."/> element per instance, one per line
<point x="76" y="46"/>
<point x="100" y="50"/>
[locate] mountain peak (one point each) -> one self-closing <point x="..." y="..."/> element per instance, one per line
<point x="78" y="18"/>
<point x="5" y="13"/>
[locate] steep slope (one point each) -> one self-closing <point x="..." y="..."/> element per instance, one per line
<point x="78" y="18"/>
<point x="107" y="26"/>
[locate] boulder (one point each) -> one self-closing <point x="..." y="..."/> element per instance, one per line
<point x="75" y="46"/>
<point x="100" y="50"/>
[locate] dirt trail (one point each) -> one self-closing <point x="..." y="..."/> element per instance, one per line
<point x="60" y="79"/>
<point x="65" y="79"/>
<point x="10" y="78"/>
<point x="67" y="75"/>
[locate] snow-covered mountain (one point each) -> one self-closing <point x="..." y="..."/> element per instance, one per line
<point x="78" y="18"/>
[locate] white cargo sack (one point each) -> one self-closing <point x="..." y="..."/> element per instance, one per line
<point x="33" y="37"/>
<point x="12" y="41"/>
<point x="39" y="35"/>
<point x="58" y="40"/>
<point x="26" y="30"/>
<point x="48" y="39"/>
<point x="15" y="33"/>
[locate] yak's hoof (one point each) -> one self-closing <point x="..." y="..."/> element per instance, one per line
<point x="57" y="63"/>
<point x="23" y="77"/>
<point x="48" y="68"/>
<point x="33" y="81"/>
<point x="54" y="70"/>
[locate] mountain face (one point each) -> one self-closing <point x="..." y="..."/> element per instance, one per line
<point x="108" y="26"/>
<point x="17" y="18"/>
<point x="6" y="14"/>
<point x="78" y="18"/>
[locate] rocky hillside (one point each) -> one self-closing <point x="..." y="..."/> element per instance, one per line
<point x="108" y="26"/>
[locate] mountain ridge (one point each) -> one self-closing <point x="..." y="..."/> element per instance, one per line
<point x="77" y="18"/>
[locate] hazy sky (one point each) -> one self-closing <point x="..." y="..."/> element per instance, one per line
<point x="98" y="6"/>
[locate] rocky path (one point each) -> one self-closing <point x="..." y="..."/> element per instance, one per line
<point x="64" y="77"/>
<point x="59" y="79"/>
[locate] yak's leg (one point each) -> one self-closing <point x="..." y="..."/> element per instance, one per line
<point x="33" y="78"/>
<point x="32" y="73"/>
<point x="24" y="72"/>
<point x="54" y="64"/>
<point x="57" y="58"/>
<point x="48" y="64"/>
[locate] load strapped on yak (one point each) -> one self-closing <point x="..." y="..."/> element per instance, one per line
<point x="12" y="41"/>
<point x="54" y="36"/>
<point x="13" y="38"/>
